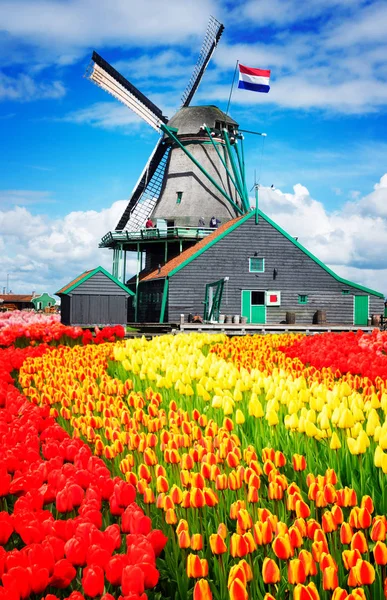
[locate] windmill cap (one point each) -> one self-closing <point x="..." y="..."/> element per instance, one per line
<point x="190" y="119"/>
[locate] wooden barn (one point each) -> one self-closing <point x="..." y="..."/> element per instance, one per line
<point x="251" y="267"/>
<point x="201" y="249"/>
<point x="94" y="298"/>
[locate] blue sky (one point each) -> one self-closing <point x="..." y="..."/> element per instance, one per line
<point x="71" y="154"/>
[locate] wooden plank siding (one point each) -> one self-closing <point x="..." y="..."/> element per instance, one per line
<point x="98" y="285"/>
<point x="287" y="269"/>
<point x="149" y="301"/>
<point x="90" y="309"/>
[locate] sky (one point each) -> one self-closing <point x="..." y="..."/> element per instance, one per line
<point x="71" y="154"/>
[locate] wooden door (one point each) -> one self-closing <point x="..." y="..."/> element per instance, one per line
<point x="361" y="310"/>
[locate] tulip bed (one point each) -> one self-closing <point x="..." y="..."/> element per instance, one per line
<point x="68" y="529"/>
<point x="21" y="329"/>
<point x="264" y="469"/>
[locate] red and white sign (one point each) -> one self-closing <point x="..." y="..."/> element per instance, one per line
<point x="273" y="298"/>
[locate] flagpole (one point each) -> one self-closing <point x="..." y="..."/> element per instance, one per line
<point x="232" y="86"/>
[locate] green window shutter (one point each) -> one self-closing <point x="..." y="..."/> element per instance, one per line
<point x="256" y="265"/>
<point x="345" y="292"/>
<point x="302" y="299"/>
<point x="179" y="196"/>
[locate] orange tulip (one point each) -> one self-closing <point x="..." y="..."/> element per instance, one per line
<point x="367" y="502"/>
<point x="330" y="579"/>
<point x="296" y="571"/>
<point x="309" y="564"/>
<point x="357" y="594"/>
<point x="365" y="572"/>
<point x="346" y="533"/>
<point x="196" y="541"/>
<point x="275" y="491"/>
<point x="350" y="558"/>
<point x="202" y="590"/>
<point x="244" y="519"/>
<point x="197" y="498"/>
<point x="170" y="517"/>
<point x="327" y="560"/>
<point x="295" y="537"/>
<point x="252" y="494"/>
<point x="238" y="546"/>
<point x="222" y="530"/>
<point x="330" y="494"/>
<point x="328" y="523"/>
<point x="306" y="592"/>
<point x="238" y="591"/>
<point x="182" y="526"/>
<point x="339" y="594"/>
<point x="282" y="547"/>
<point x="337" y="514"/>
<point x="148" y="496"/>
<point x="299" y="462"/>
<point x="183" y="539"/>
<point x="302" y="509"/>
<point x="359" y="542"/>
<point x="217" y="544"/>
<point x="270" y="571"/>
<point x="378" y="531"/>
<point x="380" y="553"/>
<point x="196" y="567"/>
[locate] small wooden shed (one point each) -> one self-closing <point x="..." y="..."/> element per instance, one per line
<point x="94" y="298"/>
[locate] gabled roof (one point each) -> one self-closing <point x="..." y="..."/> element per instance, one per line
<point x="177" y="263"/>
<point x="85" y="276"/>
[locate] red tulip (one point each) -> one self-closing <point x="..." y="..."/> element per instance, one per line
<point x="93" y="581"/>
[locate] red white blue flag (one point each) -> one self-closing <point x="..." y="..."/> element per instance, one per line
<point x="255" y="80"/>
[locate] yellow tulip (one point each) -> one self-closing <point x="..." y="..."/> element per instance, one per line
<point x="239" y="417"/>
<point x="378" y="456"/>
<point x="335" y="442"/>
<point x="272" y="417"/>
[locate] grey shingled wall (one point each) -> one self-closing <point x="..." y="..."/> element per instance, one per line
<point x="297" y="274"/>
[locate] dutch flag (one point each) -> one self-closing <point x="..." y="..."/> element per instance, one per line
<point x="255" y="80"/>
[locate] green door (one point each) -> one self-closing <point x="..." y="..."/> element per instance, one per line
<point x="361" y="310"/>
<point x="253" y="306"/>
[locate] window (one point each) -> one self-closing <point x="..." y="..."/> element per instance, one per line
<point x="179" y="196"/>
<point x="345" y="292"/>
<point x="257" y="298"/>
<point x="302" y="299"/>
<point x="256" y="265"/>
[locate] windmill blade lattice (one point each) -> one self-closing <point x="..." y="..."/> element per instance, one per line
<point x="147" y="190"/>
<point x="211" y="39"/>
<point x="106" y="77"/>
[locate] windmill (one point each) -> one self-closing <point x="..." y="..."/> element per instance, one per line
<point x="196" y="170"/>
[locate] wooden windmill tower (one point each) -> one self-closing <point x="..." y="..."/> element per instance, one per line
<point x="195" y="172"/>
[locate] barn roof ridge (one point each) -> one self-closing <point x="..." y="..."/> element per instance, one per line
<point x="87" y="275"/>
<point x="179" y="262"/>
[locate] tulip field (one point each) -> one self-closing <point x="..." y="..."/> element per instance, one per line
<point x="193" y="466"/>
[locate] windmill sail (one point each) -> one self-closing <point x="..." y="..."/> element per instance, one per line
<point x="106" y="77"/>
<point x="211" y="39"/>
<point x="147" y="190"/>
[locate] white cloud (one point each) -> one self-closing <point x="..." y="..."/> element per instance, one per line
<point x="65" y="29"/>
<point x="107" y="115"/>
<point x="350" y="241"/>
<point x="24" y="88"/>
<point x="43" y="254"/>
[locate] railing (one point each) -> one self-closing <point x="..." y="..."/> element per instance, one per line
<point x="154" y="233"/>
